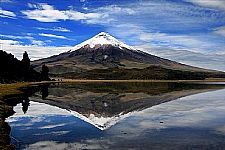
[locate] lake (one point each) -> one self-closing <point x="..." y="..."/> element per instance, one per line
<point x="156" y="116"/>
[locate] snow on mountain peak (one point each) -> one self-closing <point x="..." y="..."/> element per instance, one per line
<point x="103" y="38"/>
<point x="100" y="122"/>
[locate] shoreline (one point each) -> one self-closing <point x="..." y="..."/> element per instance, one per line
<point x="115" y="81"/>
<point x="14" y="88"/>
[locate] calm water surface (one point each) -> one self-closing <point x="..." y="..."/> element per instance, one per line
<point x="158" y="116"/>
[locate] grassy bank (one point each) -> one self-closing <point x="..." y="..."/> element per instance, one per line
<point x="11" y="89"/>
<point x="14" y="88"/>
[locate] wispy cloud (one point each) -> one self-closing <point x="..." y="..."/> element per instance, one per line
<point x="114" y="9"/>
<point x="192" y="42"/>
<point x="26" y="37"/>
<point x="36" y="51"/>
<point x="53" y="36"/>
<point x="16" y="36"/>
<point x="5" y="1"/>
<point x="9" y="42"/>
<point x="220" y="31"/>
<point x="44" y="13"/>
<point x="219" y="4"/>
<point x="182" y="55"/>
<point x="47" y="13"/>
<point x="38" y="43"/>
<point x="7" y="14"/>
<point x="58" y="29"/>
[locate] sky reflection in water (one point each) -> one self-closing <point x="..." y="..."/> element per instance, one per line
<point x="192" y="122"/>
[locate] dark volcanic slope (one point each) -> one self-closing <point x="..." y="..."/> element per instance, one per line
<point x="100" y="57"/>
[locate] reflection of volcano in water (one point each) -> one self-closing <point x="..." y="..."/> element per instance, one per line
<point x="105" y="104"/>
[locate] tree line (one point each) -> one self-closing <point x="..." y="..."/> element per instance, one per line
<point x="14" y="70"/>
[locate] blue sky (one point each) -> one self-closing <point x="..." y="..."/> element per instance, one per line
<point x="46" y="27"/>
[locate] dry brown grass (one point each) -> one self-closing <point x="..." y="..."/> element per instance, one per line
<point x="9" y="89"/>
<point x="14" y="88"/>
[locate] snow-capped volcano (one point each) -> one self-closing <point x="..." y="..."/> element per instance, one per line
<point x="105" y="57"/>
<point x="101" y="39"/>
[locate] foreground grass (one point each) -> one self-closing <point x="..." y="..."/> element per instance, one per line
<point x="11" y="89"/>
<point x="14" y="88"/>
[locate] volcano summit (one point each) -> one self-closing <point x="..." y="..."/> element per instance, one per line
<point x="105" y="57"/>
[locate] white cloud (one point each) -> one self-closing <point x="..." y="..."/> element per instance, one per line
<point x="218" y="4"/>
<point x="186" y="56"/>
<point x="5" y="1"/>
<point x="16" y="37"/>
<point x="38" y="43"/>
<point x="30" y="5"/>
<point x="139" y="35"/>
<point x="39" y="111"/>
<point x="7" y="14"/>
<point x="59" y="29"/>
<point x="170" y="40"/>
<point x="75" y="15"/>
<point x="47" y="13"/>
<point x="35" y="52"/>
<point x="114" y="9"/>
<point x="85" y="144"/>
<point x="52" y="35"/>
<point x="53" y="126"/>
<point x="28" y="37"/>
<point x="9" y="42"/>
<point x="220" y="31"/>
